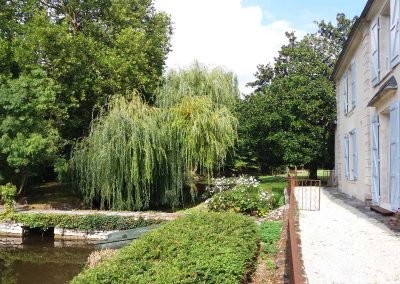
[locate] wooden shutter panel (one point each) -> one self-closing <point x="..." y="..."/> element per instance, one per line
<point x="346" y="92"/>
<point x="394" y="156"/>
<point x="375" y="160"/>
<point x="353" y="83"/>
<point x="375" y="64"/>
<point x="394" y="33"/>
<point x="355" y="154"/>
<point x="346" y="156"/>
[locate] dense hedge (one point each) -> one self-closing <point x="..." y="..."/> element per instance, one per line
<point x="200" y="248"/>
<point x="95" y="222"/>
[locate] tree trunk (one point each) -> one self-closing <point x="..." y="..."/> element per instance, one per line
<point x="23" y="182"/>
<point x="313" y="171"/>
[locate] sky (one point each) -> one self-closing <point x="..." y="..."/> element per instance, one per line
<point x="240" y="34"/>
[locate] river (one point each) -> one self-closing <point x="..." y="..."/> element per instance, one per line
<point x="37" y="259"/>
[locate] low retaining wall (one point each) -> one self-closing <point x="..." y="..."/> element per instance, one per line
<point x="19" y="230"/>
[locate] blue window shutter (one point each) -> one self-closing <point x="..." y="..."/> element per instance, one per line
<point x="346" y="93"/>
<point x="355" y="154"/>
<point x="394" y="156"/>
<point x="375" y="63"/>
<point x="346" y="156"/>
<point x="394" y="33"/>
<point x="353" y="83"/>
<point x="375" y="160"/>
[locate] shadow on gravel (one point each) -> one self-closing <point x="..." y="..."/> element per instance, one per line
<point x="359" y="208"/>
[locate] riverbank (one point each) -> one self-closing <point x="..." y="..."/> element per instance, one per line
<point x="79" y="224"/>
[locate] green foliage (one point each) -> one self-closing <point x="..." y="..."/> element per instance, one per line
<point x="249" y="196"/>
<point x="200" y="248"/>
<point x="254" y="201"/>
<point x="137" y="156"/>
<point x="95" y="222"/>
<point x="60" y="61"/>
<point x="29" y="118"/>
<point x="92" y="49"/>
<point x="270" y="234"/>
<point x="290" y="119"/>
<point x="7" y="194"/>
<point x="197" y="80"/>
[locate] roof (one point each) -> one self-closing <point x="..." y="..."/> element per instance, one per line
<point x="389" y="85"/>
<point x="352" y="34"/>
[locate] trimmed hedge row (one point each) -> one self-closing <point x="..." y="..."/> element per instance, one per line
<point x="96" y="222"/>
<point x="199" y="248"/>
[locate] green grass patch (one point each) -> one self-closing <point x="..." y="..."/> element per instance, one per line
<point x="199" y="248"/>
<point x="93" y="222"/>
<point x="270" y="234"/>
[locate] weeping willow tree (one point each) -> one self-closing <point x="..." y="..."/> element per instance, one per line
<point x="138" y="157"/>
<point x="197" y="80"/>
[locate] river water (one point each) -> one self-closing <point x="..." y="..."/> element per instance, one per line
<point x="37" y="259"/>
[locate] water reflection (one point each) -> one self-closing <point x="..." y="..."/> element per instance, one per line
<point x="40" y="259"/>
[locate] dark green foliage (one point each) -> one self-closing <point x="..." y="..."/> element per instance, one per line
<point x="254" y="201"/>
<point x="200" y="248"/>
<point x="60" y="61"/>
<point x="29" y="120"/>
<point x="270" y="234"/>
<point x="94" y="222"/>
<point x="290" y="120"/>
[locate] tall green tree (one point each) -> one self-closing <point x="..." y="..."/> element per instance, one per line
<point x="91" y="50"/>
<point x="297" y="99"/>
<point x="29" y="120"/>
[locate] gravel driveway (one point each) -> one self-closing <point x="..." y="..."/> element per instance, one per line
<point x="347" y="243"/>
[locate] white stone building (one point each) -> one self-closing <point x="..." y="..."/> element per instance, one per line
<point x="367" y="151"/>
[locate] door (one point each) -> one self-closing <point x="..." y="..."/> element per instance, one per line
<point x="394" y="157"/>
<point x="375" y="161"/>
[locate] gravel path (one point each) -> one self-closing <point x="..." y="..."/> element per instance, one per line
<point x="347" y="243"/>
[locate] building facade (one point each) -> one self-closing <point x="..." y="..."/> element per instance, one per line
<point x="367" y="140"/>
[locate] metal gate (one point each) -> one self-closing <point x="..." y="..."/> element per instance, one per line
<point x="308" y="194"/>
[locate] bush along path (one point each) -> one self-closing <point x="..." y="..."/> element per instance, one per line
<point x="199" y="248"/>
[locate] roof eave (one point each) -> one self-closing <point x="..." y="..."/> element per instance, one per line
<point x="351" y="36"/>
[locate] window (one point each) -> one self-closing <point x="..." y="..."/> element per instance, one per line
<point x="351" y="155"/>
<point x="346" y="96"/>
<point x="346" y="92"/>
<point x="375" y="61"/>
<point x="394" y="32"/>
<point x="354" y="156"/>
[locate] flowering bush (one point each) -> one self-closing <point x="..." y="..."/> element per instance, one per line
<point x="222" y="184"/>
<point x="251" y="200"/>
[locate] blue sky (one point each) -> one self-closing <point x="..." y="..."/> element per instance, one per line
<point x="240" y="34"/>
<point x="302" y="14"/>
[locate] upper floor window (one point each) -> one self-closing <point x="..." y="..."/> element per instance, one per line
<point x="394" y="32"/>
<point x="375" y="60"/>
<point x="385" y="41"/>
<point x="349" y="92"/>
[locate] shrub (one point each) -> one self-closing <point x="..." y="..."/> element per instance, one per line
<point x="8" y="193"/>
<point x="199" y="248"/>
<point x="95" y="222"/>
<point x="254" y="201"/>
<point x="221" y="184"/>
<point x="270" y="234"/>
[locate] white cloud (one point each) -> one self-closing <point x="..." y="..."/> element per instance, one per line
<point x="224" y="33"/>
